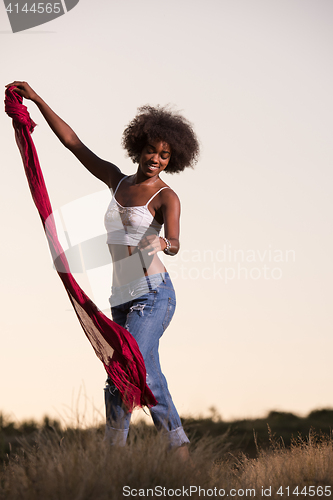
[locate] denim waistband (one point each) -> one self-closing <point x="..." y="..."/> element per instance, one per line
<point x="136" y="288"/>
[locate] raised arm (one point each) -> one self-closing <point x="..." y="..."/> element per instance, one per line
<point x="103" y="170"/>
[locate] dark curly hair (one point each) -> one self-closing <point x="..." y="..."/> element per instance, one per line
<point x="158" y="122"/>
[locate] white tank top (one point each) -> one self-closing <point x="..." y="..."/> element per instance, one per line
<point x="128" y="225"/>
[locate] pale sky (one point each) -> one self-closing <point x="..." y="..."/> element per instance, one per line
<point x="253" y="326"/>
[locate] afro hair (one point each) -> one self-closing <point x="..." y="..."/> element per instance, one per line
<point x="152" y="123"/>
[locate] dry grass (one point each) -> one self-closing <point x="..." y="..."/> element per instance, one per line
<point x="306" y="463"/>
<point x="77" y="465"/>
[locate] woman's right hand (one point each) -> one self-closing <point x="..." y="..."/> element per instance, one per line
<point x="23" y="89"/>
<point x="103" y="170"/>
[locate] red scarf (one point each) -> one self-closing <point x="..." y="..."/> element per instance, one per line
<point x="113" y="345"/>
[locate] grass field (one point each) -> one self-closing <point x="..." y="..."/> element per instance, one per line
<point x="49" y="462"/>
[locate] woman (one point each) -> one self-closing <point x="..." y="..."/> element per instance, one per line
<point x="143" y="299"/>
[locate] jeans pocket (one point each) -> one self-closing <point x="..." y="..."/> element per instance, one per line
<point x="144" y="305"/>
<point x="169" y="312"/>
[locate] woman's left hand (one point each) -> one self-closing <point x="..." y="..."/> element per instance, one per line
<point x="152" y="243"/>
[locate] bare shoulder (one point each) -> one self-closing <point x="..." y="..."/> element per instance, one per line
<point x="116" y="178"/>
<point x="168" y="196"/>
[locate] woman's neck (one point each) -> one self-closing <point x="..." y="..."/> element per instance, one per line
<point x="139" y="178"/>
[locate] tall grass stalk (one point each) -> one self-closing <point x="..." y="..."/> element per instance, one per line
<point x="78" y="465"/>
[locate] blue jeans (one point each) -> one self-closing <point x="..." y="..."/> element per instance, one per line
<point x="146" y="318"/>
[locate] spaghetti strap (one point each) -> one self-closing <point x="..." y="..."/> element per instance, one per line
<point x="165" y="187"/>
<point x="119" y="184"/>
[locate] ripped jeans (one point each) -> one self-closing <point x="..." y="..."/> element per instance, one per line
<point x="146" y="318"/>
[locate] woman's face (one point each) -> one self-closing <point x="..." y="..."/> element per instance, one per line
<point x="155" y="157"/>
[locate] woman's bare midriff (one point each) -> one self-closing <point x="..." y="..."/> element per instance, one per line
<point x="130" y="264"/>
